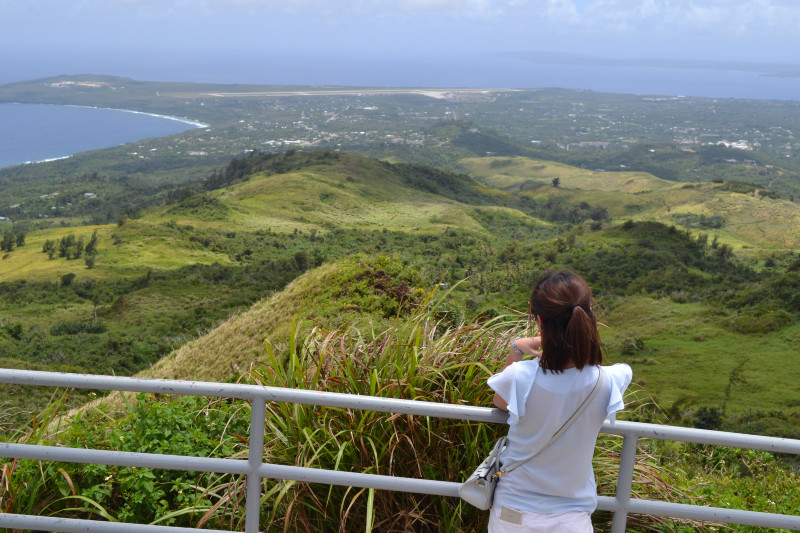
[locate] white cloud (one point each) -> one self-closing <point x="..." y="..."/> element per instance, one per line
<point x="585" y="12"/>
<point x="598" y="27"/>
<point x="444" y="5"/>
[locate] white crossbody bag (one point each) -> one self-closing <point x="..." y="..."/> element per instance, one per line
<point x="478" y="489"/>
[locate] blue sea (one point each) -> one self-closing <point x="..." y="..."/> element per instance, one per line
<point x="39" y="132"/>
<point x="35" y="133"/>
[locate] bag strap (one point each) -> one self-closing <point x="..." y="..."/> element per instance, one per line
<point x="597" y="386"/>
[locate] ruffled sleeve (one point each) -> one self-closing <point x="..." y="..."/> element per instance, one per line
<point x="619" y="375"/>
<point x="514" y="384"/>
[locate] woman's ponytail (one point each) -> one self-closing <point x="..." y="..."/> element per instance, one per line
<point x="581" y="339"/>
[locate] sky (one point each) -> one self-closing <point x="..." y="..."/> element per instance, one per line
<point x="50" y="37"/>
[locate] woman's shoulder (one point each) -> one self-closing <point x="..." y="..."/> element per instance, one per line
<point x="619" y="370"/>
<point x="620" y="376"/>
<point x="526" y="369"/>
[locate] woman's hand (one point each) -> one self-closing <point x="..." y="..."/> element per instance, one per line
<point x="527" y="345"/>
<point x="531" y="345"/>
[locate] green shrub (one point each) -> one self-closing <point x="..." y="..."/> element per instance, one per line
<point x="73" y="328"/>
<point x="760" y="320"/>
<point x="190" y="426"/>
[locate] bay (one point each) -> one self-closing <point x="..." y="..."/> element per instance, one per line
<point x="41" y="132"/>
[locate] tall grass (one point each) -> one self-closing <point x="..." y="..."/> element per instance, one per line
<point x="417" y="359"/>
<point x="21" y="492"/>
<point x="421" y="358"/>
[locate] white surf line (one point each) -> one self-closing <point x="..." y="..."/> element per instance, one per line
<point x="48" y="160"/>
<point x="191" y="122"/>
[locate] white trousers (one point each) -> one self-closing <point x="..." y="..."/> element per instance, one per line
<point x="529" y="522"/>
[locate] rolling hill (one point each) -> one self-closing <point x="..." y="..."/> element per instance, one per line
<point x="743" y="215"/>
<point x="279" y="216"/>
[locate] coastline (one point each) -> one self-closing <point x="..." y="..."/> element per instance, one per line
<point x="184" y="120"/>
<point x="194" y="124"/>
<point x="48" y="160"/>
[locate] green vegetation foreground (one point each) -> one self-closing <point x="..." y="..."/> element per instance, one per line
<point x="416" y="352"/>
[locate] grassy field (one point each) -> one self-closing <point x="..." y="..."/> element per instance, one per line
<point x="686" y="353"/>
<point x="750" y="221"/>
<point x="212" y="284"/>
<point x="122" y="252"/>
<point x="516" y="173"/>
<point x="306" y="200"/>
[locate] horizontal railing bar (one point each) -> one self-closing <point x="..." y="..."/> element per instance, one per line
<point x="357" y="479"/>
<point x="241" y="391"/>
<point x="355" y="401"/>
<point x="129" y="459"/>
<point x="702" y="513"/>
<point x="75" y="525"/>
<point x="129" y="384"/>
<point x="703" y="436"/>
<point x="230" y="466"/>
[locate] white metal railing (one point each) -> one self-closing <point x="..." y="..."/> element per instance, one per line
<point x="255" y="469"/>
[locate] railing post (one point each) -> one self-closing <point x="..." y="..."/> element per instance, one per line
<point x="255" y="458"/>
<point x="624" y="482"/>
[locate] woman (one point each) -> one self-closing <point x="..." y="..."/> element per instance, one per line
<point x="555" y="489"/>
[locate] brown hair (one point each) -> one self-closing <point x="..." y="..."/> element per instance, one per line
<point x="563" y="300"/>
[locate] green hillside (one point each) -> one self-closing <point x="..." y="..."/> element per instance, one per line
<point x="743" y="215"/>
<point x="713" y="256"/>
<point x="521" y="173"/>
<point x="340" y="190"/>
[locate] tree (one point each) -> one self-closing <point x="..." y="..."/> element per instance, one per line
<point x="48" y="247"/>
<point x="7" y="244"/>
<point x="556" y="181"/>
<point x="78" y="248"/>
<point x="724" y="251"/>
<point x="302" y="260"/>
<point x="88" y="290"/>
<point x="66" y="245"/>
<point x="598" y="213"/>
<point x="91" y="246"/>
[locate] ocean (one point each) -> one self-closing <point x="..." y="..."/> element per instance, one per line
<point x="40" y="132"/>
<point x="35" y="133"/>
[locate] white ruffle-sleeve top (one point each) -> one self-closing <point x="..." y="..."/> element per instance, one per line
<point x="560" y="478"/>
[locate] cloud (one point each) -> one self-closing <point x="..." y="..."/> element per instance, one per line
<point x="587" y="13"/>
<point x="625" y="27"/>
